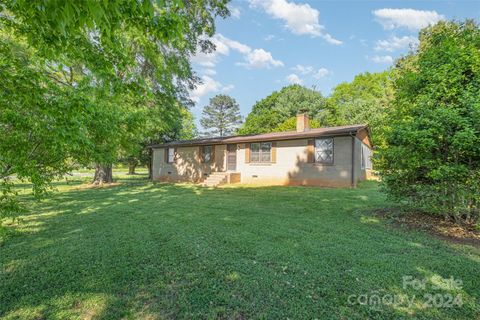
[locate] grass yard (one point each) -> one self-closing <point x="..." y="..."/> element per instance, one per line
<point x="148" y="251"/>
<point x="117" y="169"/>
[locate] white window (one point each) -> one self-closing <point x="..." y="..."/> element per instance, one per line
<point x="366" y="157"/>
<point x="171" y="155"/>
<point x="324" y="150"/>
<point x="261" y="152"/>
<point x="207" y="153"/>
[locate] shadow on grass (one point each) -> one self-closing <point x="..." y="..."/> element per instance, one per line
<point x="158" y="250"/>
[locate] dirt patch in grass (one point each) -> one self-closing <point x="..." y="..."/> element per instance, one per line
<point x="433" y="224"/>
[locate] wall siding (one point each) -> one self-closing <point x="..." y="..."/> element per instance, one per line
<point x="187" y="167"/>
<point x="291" y="166"/>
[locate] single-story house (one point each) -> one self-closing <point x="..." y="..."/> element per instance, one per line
<point x="331" y="156"/>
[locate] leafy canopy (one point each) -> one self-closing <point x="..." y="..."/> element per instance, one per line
<point x="366" y="99"/>
<point x="117" y="38"/>
<point x="269" y="113"/>
<point x="432" y="154"/>
<point x="82" y="79"/>
<point x="291" y="124"/>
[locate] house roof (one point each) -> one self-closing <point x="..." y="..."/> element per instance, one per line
<point x="273" y="136"/>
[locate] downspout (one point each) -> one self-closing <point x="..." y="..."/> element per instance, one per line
<point x="353" y="183"/>
<point x="150" y="164"/>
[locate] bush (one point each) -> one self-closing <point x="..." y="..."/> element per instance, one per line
<point x="432" y="154"/>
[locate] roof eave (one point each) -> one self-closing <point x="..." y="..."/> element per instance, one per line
<point x="238" y="139"/>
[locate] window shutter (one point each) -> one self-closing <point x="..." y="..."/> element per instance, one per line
<point x="274" y="152"/>
<point x="311" y="150"/>
<point x="175" y="154"/>
<point x="247" y="153"/>
<point x="165" y="155"/>
<point x="200" y="154"/>
<point x="212" y="157"/>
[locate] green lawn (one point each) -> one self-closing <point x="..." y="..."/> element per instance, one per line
<point x="140" y="170"/>
<point x="148" y="251"/>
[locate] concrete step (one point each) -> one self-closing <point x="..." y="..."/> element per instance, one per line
<point x="217" y="174"/>
<point x="215" y="179"/>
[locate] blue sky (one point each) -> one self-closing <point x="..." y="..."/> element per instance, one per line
<point x="268" y="44"/>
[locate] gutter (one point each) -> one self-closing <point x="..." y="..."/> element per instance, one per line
<point x="248" y="140"/>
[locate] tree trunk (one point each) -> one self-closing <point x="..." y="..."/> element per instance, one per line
<point x="103" y="174"/>
<point x="131" y="168"/>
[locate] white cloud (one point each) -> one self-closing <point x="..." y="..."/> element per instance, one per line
<point x="396" y="43"/>
<point x="298" y="18"/>
<point x="228" y="88"/>
<point x="382" y="59"/>
<point x="208" y="60"/>
<point x="303" y="69"/>
<point x="406" y="18"/>
<point x="259" y="58"/>
<point x="294" y="79"/>
<point x="208" y="85"/>
<point x="232" y="44"/>
<point x="320" y="73"/>
<point x="330" y="39"/>
<point x="269" y="37"/>
<point x="210" y="72"/>
<point x="254" y="58"/>
<point x="220" y="44"/>
<point x="235" y="12"/>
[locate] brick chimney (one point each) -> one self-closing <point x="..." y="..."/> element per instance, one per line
<point x="303" y="122"/>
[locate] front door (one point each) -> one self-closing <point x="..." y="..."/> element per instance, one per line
<point x="231" y="157"/>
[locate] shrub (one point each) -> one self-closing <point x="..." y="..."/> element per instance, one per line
<point x="432" y="154"/>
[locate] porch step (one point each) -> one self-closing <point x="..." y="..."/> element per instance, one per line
<point x="215" y="179"/>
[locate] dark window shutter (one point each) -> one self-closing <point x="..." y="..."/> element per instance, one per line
<point x="200" y="154"/>
<point x="165" y="155"/>
<point x="247" y="153"/>
<point x="311" y="150"/>
<point x="212" y="157"/>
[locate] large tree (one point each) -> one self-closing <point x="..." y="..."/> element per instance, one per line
<point x="364" y="100"/>
<point x="42" y="123"/>
<point x="137" y="152"/>
<point x="432" y="153"/>
<point x="82" y="75"/>
<point x="221" y="116"/>
<point x="270" y="112"/>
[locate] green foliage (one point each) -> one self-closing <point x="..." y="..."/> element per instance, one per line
<point x="291" y="125"/>
<point x="116" y="39"/>
<point x="83" y="80"/>
<point x="270" y="112"/>
<point x="366" y="99"/>
<point x="432" y="153"/>
<point x="10" y="206"/>
<point x="188" y="129"/>
<point x="221" y="117"/>
<point x="155" y="129"/>
<point x="42" y="124"/>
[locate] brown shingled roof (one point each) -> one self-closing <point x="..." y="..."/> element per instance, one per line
<point x="288" y="135"/>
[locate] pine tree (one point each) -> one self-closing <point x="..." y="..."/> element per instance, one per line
<point x="221" y="116"/>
